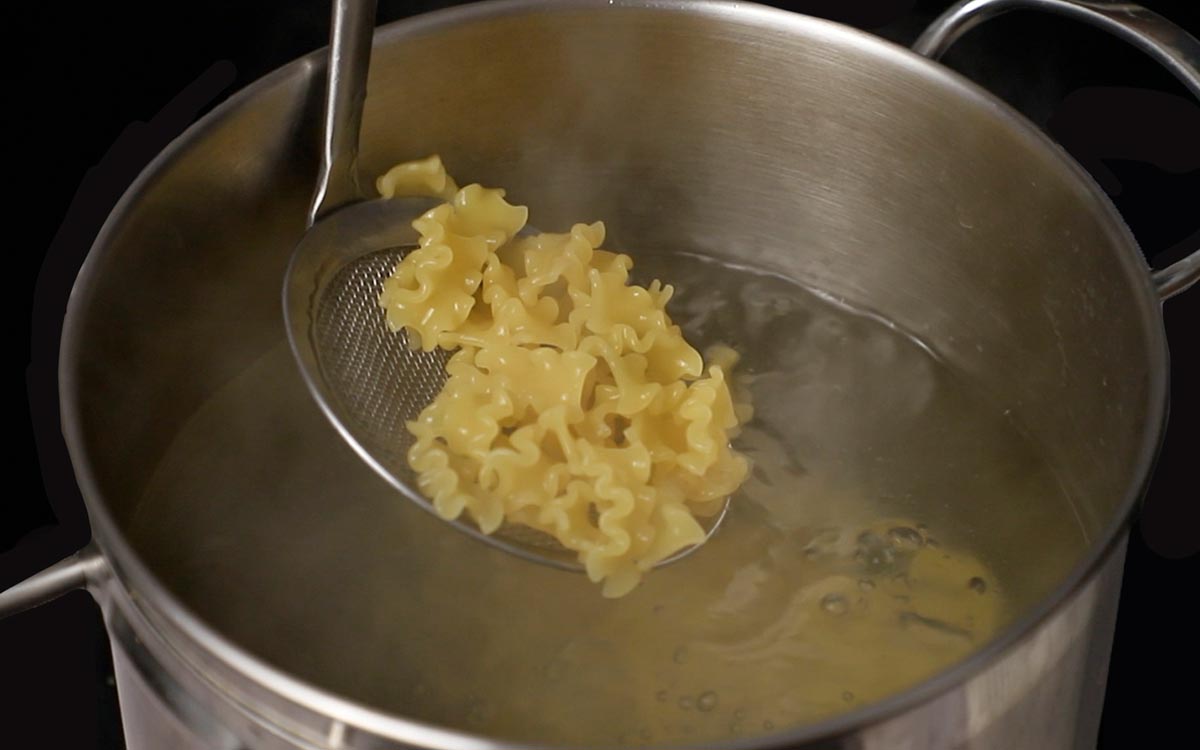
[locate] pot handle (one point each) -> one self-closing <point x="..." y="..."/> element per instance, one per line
<point x="87" y="568"/>
<point x="1177" y="51"/>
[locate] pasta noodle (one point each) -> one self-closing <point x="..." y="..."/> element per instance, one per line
<point x="573" y="404"/>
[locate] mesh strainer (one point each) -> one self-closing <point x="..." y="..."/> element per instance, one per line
<point x="365" y="378"/>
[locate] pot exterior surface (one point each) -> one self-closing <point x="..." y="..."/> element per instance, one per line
<point x="793" y="145"/>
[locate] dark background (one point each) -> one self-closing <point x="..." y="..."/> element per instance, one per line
<point x="86" y="73"/>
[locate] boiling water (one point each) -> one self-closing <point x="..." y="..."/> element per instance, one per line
<point x="894" y="521"/>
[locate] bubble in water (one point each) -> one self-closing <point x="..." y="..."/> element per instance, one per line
<point x="880" y="559"/>
<point x="977" y="584"/>
<point x="768" y="725"/>
<point x="834" y="604"/>
<point x="848" y="696"/>
<point x="906" y="539"/>
<point x="740" y="713"/>
<point x="866" y="584"/>
<point x="661" y="696"/>
<point x="685" y="702"/>
<point x="680" y="655"/>
<point x="874" y="552"/>
<point x="707" y="701"/>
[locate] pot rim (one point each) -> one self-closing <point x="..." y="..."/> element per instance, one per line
<point x="134" y="575"/>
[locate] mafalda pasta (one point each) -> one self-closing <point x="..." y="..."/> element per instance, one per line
<point x="572" y="405"/>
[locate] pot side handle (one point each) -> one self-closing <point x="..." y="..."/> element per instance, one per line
<point x="1171" y="46"/>
<point x="87" y="568"/>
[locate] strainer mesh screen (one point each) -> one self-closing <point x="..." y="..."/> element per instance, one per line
<point x="376" y="377"/>
<point x="378" y="381"/>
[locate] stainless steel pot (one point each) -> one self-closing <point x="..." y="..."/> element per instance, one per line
<point x="752" y="128"/>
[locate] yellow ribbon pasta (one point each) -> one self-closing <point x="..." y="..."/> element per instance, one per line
<point x="573" y="405"/>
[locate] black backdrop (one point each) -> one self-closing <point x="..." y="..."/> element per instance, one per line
<point x="85" y="75"/>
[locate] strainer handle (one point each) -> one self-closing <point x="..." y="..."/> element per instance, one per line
<point x="84" y="569"/>
<point x="352" y="26"/>
<point x="1171" y="46"/>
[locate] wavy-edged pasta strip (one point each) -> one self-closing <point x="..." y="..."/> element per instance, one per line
<point x="432" y="290"/>
<point x="424" y="177"/>
<point x="573" y="404"/>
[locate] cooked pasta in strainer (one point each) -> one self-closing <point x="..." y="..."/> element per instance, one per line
<point x="573" y="404"/>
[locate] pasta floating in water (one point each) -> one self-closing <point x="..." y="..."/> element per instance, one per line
<point x="573" y="404"/>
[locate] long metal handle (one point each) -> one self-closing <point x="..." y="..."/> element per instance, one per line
<point x="86" y="568"/>
<point x="1177" y="51"/>
<point x="353" y="24"/>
